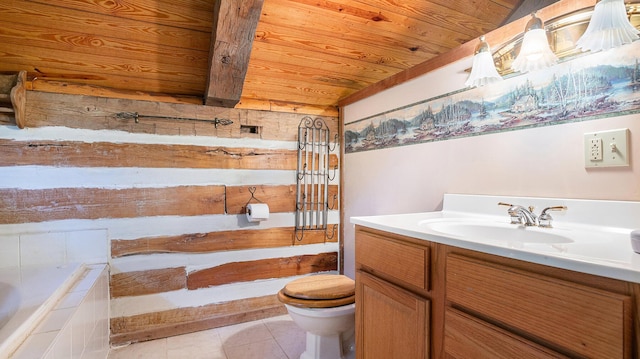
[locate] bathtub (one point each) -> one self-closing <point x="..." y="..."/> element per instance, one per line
<point x="54" y="312"/>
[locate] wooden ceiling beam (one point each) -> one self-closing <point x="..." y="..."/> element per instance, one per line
<point x="234" y="27"/>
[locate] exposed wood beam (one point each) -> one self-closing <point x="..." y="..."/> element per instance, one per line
<point x="234" y="26"/>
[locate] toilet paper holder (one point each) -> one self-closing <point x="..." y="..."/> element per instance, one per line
<point x="256" y="212"/>
<point x="252" y="190"/>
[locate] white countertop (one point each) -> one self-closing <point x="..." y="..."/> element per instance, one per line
<point x="599" y="232"/>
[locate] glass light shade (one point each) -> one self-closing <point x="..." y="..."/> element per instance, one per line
<point x="535" y="52"/>
<point x="483" y="71"/>
<point x="609" y="27"/>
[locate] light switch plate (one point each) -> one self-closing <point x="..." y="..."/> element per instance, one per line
<point x="606" y="148"/>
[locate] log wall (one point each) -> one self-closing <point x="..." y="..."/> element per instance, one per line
<point x="170" y="194"/>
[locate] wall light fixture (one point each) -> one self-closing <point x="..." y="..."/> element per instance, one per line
<point x="609" y="27"/>
<point x="483" y="70"/>
<point x="535" y="52"/>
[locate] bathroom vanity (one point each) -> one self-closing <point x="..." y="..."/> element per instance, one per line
<point x="425" y="288"/>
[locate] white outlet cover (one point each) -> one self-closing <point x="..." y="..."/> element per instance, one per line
<point x="615" y="148"/>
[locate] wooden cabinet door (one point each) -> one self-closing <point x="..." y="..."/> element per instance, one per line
<point x="390" y="321"/>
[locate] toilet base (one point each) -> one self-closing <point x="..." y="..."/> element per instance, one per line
<point x="327" y="347"/>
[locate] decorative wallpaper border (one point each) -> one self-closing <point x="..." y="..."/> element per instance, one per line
<point x="604" y="84"/>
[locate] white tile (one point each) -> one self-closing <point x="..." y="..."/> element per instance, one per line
<point x="291" y="338"/>
<point x="35" y="346"/>
<point x="71" y="300"/>
<point x="85" y="319"/>
<point x="281" y="325"/>
<point x="9" y="250"/>
<point x="102" y="333"/>
<point x="96" y="346"/>
<point x="293" y="345"/>
<point x="154" y="349"/>
<point x="199" y="345"/>
<point x="88" y="280"/>
<point x="42" y="248"/>
<point x="89" y="246"/>
<point x="267" y="349"/>
<point x="55" y="320"/>
<point x="61" y="348"/>
<point x="244" y="333"/>
<point x="77" y="336"/>
<point x="254" y="340"/>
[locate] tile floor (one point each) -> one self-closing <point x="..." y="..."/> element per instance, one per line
<point x="272" y="338"/>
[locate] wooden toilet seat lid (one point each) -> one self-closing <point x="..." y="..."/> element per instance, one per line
<point x="321" y="286"/>
<point x="315" y="303"/>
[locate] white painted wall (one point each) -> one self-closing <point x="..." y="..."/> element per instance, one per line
<point x="545" y="161"/>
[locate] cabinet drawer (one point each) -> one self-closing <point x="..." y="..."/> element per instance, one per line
<point x="468" y="337"/>
<point x="584" y="321"/>
<point x="401" y="262"/>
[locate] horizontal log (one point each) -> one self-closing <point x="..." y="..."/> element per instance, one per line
<point x="147" y="282"/>
<point x="106" y="154"/>
<point x="279" y="198"/>
<point x="7" y="81"/>
<point x="24" y="206"/>
<point x="262" y="269"/>
<point x="187" y="320"/>
<point x="217" y="241"/>
<point x="100" y="113"/>
<point x="64" y="88"/>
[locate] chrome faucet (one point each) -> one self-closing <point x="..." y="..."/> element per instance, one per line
<point x="521" y="215"/>
<point x="526" y="217"/>
<point x="545" y="219"/>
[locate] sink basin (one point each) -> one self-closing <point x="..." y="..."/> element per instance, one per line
<point x="494" y="231"/>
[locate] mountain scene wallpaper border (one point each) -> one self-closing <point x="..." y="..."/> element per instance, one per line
<point x="604" y="84"/>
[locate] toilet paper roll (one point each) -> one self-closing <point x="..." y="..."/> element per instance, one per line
<point x="257" y="212"/>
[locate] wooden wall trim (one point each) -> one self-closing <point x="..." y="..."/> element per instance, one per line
<point x="67" y="88"/>
<point x="106" y="154"/>
<point x="147" y="282"/>
<point x="341" y="231"/>
<point x="23" y="206"/>
<point x="262" y="269"/>
<point x="216" y="241"/>
<point x="187" y="320"/>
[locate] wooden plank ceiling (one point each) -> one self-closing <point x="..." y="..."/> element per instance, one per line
<point x="305" y="53"/>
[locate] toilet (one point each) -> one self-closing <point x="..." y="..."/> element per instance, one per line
<point x="324" y="306"/>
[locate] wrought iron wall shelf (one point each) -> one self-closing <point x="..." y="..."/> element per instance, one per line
<point x="313" y="178"/>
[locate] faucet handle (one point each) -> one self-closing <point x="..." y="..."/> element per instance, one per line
<point x="515" y="217"/>
<point x="545" y="218"/>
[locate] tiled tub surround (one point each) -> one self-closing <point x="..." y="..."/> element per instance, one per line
<point x="599" y="231"/>
<point x="54" y="295"/>
<point x="58" y="312"/>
